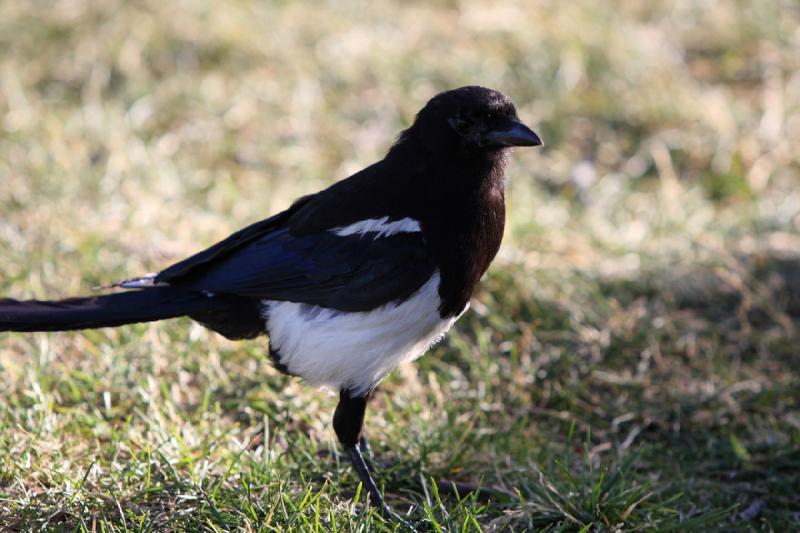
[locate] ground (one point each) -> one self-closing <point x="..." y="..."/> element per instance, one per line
<point x="630" y="363"/>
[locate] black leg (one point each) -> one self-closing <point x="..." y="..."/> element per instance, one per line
<point x="375" y="497"/>
<point x="349" y="418"/>
<point x="366" y="453"/>
<point x="348" y="421"/>
<point x="363" y="445"/>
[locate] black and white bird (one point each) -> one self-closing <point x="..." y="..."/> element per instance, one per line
<point x="351" y="281"/>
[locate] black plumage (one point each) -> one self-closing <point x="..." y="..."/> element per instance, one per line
<point x="431" y="210"/>
<point x="343" y="273"/>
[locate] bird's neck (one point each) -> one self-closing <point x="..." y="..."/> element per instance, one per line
<point x="463" y="220"/>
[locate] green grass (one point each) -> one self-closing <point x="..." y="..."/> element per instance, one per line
<point x="630" y="363"/>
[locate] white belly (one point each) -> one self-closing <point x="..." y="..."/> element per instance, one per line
<point x="354" y="350"/>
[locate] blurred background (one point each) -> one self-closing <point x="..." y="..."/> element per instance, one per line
<point x="630" y="361"/>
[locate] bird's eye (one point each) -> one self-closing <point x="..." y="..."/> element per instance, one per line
<point x="460" y="124"/>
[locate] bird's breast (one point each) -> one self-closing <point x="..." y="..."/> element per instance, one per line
<point x="465" y="240"/>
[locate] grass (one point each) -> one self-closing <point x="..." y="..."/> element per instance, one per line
<point x="630" y="362"/>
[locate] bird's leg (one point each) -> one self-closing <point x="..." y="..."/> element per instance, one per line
<point x="363" y="445"/>
<point x="348" y="419"/>
<point x="347" y="422"/>
<point x="366" y="453"/>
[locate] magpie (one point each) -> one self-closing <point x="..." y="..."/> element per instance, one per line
<point x="348" y="282"/>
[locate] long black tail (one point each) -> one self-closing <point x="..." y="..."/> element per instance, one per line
<point x="107" y="310"/>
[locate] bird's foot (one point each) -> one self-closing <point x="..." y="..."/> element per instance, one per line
<point x="375" y="496"/>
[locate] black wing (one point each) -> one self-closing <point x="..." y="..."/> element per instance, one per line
<point x="351" y="273"/>
<point x="229" y="244"/>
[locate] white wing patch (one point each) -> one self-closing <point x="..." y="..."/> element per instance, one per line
<point x="355" y="350"/>
<point x="380" y="226"/>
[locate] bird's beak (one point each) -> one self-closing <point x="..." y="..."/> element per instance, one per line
<point x="517" y="134"/>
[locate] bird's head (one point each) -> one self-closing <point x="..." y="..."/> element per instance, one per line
<point x="473" y="121"/>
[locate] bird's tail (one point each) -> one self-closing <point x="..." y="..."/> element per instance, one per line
<point x="106" y="310"/>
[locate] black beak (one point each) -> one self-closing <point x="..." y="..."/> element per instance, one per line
<point x="517" y="134"/>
